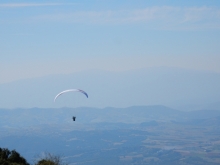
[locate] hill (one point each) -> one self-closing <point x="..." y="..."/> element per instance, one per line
<point x="25" y="118"/>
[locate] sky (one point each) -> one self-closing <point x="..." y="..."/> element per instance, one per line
<point x="40" y="38"/>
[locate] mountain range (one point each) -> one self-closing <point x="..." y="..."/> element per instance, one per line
<point x="27" y="118"/>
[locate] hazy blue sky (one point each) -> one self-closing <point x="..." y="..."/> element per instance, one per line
<point x="49" y="37"/>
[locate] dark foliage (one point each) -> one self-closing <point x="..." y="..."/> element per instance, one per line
<point x="50" y="159"/>
<point x="8" y="157"/>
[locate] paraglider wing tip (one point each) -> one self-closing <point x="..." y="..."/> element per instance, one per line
<point x="84" y="93"/>
<point x="55" y="98"/>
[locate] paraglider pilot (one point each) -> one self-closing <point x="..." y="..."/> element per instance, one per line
<point x="74" y="118"/>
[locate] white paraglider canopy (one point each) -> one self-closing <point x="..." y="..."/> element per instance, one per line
<point x="70" y="90"/>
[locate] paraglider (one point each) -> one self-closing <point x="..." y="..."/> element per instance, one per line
<point x="70" y="90"/>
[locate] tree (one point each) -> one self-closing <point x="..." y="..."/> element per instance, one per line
<point x="50" y="159"/>
<point x="8" y="157"/>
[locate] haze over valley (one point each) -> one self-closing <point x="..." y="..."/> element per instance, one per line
<point x="139" y="134"/>
<point x="109" y="82"/>
<point x="174" y="87"/>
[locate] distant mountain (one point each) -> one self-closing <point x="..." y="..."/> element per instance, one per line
<point x="28" y="118"/>
<point x="204" y="122"/>
<point x="173" y="87"/>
